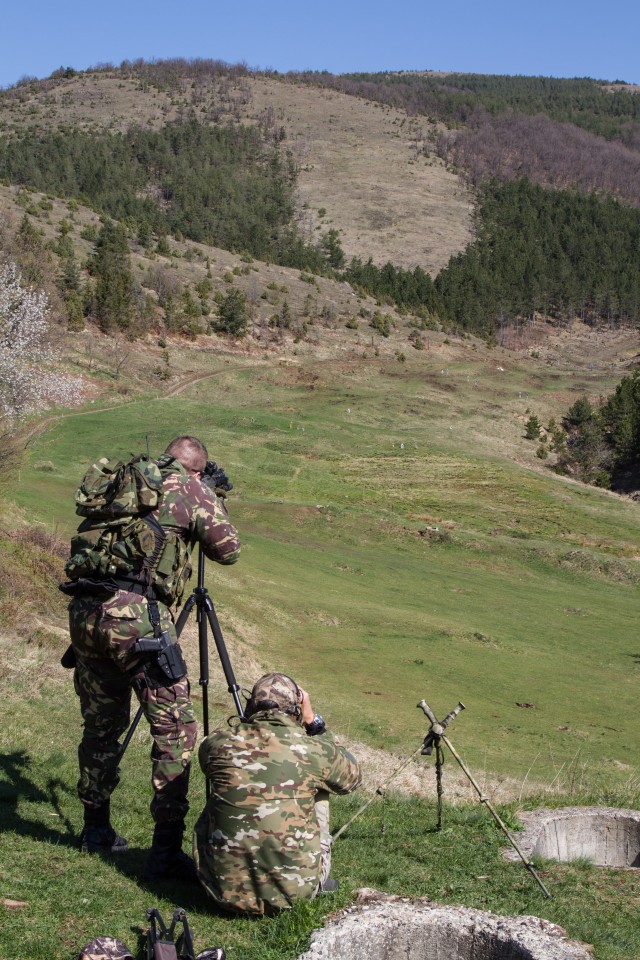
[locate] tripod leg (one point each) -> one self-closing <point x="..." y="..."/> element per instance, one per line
<point x="131" y="731"/>
<point x="439" y="762"/>
<point x="184" y="614"/>
<point x="485" y="800"/>
<point x="232" y="685"/>
<point x="203" y="647"/>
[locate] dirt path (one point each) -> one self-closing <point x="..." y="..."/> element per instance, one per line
<point x="39" y="428"/>
<point x="173" y="391"/>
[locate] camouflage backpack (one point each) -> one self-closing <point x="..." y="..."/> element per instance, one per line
<point x="118" y="537"/>
<point x="111" y="490"/>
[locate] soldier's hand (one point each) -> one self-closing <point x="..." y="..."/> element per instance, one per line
<point x="305" y="707"/>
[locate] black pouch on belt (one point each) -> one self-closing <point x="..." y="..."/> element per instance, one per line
<point x="166" y="665"/>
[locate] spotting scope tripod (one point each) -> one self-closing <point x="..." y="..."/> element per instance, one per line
<point x="206" y="614"/>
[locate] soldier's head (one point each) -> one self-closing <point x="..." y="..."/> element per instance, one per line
<point x="190" y="452"/>
<point x="275" y="691"/>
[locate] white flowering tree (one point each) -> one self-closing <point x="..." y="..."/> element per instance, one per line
<point x="27" y="380"/>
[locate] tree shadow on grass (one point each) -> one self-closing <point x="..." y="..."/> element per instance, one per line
<point x="17" y="785"/>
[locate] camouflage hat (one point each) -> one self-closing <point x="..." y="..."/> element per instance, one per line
<point x="275" y="689"/>
<point x="105" y="948"/>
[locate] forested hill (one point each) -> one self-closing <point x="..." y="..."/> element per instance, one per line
<point x="368" y="178"/>
<point x="611" y="110"/>
<point x="557" y="133"/>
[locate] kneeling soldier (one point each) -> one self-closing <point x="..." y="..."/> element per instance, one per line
<point x="263" y="839"/>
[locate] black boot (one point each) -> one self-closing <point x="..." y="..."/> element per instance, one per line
<point x="166" y="860"/>
<point x="329" y="886"/>
<point x="98" y="836"/>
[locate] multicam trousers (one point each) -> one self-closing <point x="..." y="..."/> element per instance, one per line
<point x="103" y="634"/>
<point x="322" y="816"/>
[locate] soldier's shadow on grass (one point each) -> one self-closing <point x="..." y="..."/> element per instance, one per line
<point x="17" y="786"/>
<point x="189" y="896"/>
<point x="186" y="894"/>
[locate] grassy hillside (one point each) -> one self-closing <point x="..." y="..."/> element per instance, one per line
<point x="332" y="171"/>
<point x="525" y="594"/>
<point x="357" y="162"/>
<point x="401" y="539"/>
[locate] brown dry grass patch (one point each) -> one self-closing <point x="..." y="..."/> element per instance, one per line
<point x="362" y="162"/>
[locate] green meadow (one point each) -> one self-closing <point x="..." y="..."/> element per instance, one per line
<point x="400" y="541"/>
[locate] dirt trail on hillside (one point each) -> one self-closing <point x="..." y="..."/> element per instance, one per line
<point x="39" y="428"/>
<point x="173" y="391"/>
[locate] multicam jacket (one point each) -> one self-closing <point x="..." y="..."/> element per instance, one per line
<point x="257" y="842"/>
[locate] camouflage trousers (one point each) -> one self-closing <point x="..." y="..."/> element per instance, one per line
<point x="322" y="816"/>
<point x="103" y="634"/>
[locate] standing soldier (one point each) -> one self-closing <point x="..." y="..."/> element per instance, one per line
<point x="124" y="580"/>
<point x="262" y="841"/>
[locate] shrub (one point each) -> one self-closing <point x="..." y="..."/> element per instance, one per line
<point x="383" y="323"/>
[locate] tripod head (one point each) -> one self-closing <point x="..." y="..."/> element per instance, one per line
<point x="436" y="729"/>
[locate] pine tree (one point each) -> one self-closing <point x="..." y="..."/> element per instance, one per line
<point x="532" y="429"/>
<point x="111" y="266"/>
<point x="233" y="316"/>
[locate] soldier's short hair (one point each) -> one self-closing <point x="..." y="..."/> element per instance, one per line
<point x="190" y="451"/>
<point x="275" y="691"/>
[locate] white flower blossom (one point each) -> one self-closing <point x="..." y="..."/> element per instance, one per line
<point x="27" y="382"/>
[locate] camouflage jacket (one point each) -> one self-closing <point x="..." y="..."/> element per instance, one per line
<point x="188" y="513"/>
<point x="257" y="842"/>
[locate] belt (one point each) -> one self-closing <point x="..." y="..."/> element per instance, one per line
<point x="106" y="587"/>
<point x="132" y="586"/>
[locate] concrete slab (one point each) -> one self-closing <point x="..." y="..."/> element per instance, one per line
<point x="607" y="836"/>
<point x="395" y="928"/>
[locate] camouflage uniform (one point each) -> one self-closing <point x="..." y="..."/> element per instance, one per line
<point x="105" y="948"/>
<point x="257" y="845"/>
<point x="103" y="633"/>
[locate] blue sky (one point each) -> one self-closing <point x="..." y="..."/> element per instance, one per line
<point x="562" y="38"/>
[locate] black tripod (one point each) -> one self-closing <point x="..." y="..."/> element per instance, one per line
<point x="206" y="613"/>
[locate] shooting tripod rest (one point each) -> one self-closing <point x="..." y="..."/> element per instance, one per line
<point x="434" y="739"/>
<point x="206" y="614"/>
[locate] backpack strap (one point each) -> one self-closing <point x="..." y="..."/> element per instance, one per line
<point x="148" y="566"/>
<point x="154" y="616"/>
